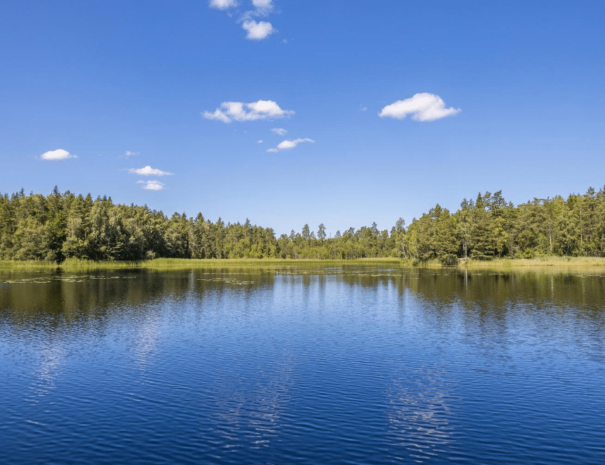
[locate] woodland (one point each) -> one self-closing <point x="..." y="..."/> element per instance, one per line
<point x="64" y="225"/>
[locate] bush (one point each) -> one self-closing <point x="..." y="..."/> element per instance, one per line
<point x="449" y="260"/>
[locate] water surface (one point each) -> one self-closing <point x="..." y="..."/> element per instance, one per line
<point x="302" y="365"/>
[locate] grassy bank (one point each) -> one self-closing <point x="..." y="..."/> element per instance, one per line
<point x="33" y="265"/>
<point x="176" y="263"/>
<point x="531" y="263"/>
<point x="503" y="264"/>
<point x="185" y="264"/>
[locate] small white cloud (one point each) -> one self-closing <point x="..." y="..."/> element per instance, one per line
<point x="149" y="171"/>
<point x="218" y="114"/>
<point x="422" y="107"/>
<point x="264" y="4"/>
<point x="238" y="111"/>
<point x="152" y="185"/>
<point x="58" y="154"/>
<point x="131" y="154"/>
<point x="261" y="8"/>
<point x="222" y="4"/>
<point x="363" y="108"/>
<point x="289" y="144"/>
<point x="259" y="141"/>
<point x="279" y="131"/>
<point x="258" y="30"/>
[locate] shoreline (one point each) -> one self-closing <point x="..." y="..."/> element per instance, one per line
<point x="187" y="264"/>
<point x="501" y="264"/>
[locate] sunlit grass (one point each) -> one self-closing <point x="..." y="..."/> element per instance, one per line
<point x="27" y="265"/>
<point x="513" y="264"/>
<point x="74" y="264"/>
<point x="176" y="263"/>
<point x="550" y="262"/>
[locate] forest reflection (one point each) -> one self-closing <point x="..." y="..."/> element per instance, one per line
<point x="68" y="298"/>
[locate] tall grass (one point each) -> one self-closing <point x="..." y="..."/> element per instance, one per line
<point x="74" y="264"/>
<point x="40" y="265"/>
<point x="544" y="262"/>
<point x="177" y="263"/>
<point x="513" y="264"/>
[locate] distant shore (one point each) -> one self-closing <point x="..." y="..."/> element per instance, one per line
<point x="514" y="263"/>
<point x="185" y="264"/>
<point x="502" y="264"/>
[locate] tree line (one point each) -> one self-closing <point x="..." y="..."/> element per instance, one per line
<point x="64" y="225"/>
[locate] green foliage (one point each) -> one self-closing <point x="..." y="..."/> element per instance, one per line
<point x="63" y="226"/>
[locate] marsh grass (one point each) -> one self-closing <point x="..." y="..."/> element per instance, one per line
<point x="531" y="263"/>
<point x="503" y="264"/>
<point x="34" y="265"/>
<point x="177" y="263"/>
<point x="74" y="264"/>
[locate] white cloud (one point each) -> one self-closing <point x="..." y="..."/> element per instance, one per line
<point x="264" y="4"/>
<point x="152" y="185"/>
<point x="58" y="154"/>
<point x="131" y="154"/>
<point x="279" y="131"/>
<point x="148" y="171"/>
<point x="238" y="111"/>
<point x="289" y="144"/>
<point x="258" y="30"/>
<point x="422" y="107"/>
<point x="222" y="4"/>
<point x="261" y="8"/>
<point x="259" y="141"/>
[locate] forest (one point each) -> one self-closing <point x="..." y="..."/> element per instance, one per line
<point x="64" y="225"/>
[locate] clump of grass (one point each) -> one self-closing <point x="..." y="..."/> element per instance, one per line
<point x="40" y="265"/>
<point x="76" y="264"/>
<point x="179" y="263"/>
<point x="413" y="263"/>
<point x="542" y="262"/>
<point x="513" y="263"/>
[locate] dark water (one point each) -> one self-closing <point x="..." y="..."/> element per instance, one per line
<point x="353" y="365"/>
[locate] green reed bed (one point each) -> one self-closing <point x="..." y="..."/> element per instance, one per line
<point x="74" y="264"/>
<point x="34" y="265"/>
<point x="530" y="263"/>
<point x="514" y="264"/>
<point x="177" y="263"/>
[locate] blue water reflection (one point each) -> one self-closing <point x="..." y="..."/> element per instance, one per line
<point x="302" y="365"/>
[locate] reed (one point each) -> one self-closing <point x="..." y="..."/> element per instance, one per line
<point x="529" y="263"/>
<point x="513" y="264"/>
<point x="74" y="264"/>
<point x="178" y="263"/>
<point x="41" y="265"/>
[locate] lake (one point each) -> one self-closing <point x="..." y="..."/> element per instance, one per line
<point x="339" y="365"/>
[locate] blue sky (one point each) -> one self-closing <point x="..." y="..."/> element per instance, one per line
<point x="100" y="78"/>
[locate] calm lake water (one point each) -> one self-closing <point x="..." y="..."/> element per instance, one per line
<point x="317" y="365"/>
